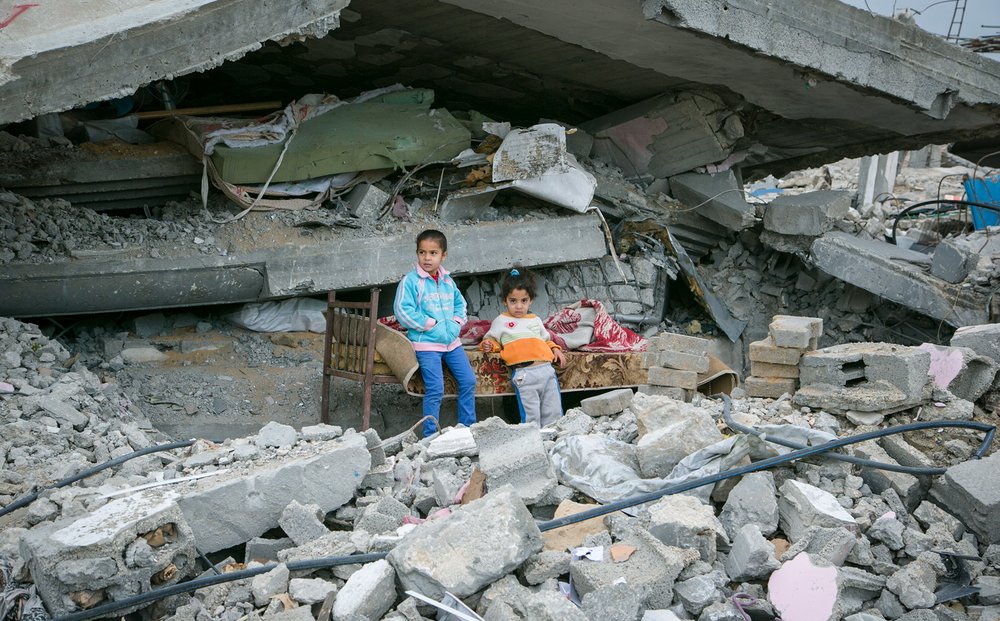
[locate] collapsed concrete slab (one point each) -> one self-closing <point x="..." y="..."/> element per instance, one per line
<point x="129" y="546"/>
<point x="719" y="196"/>
<point x="132" y="43"/>
<point x="96" y="285"/>
<point x="327" y="480"/>
<point x="892" y="272"/>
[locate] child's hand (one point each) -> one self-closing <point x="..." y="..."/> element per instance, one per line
<point x="559" y="356"/>
<point x="487" y="345"/>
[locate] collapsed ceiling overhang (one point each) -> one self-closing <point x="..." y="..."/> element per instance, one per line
<point x="810" y="80"/>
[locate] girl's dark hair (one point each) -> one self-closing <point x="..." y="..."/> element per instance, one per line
<point x="434" y="236"/>
<point x="518" y="277"/>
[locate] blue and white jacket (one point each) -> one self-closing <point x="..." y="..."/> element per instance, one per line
<point x="433" y="312"/>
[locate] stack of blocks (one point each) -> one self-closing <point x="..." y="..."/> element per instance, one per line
<point x="674" y="362"/>
<point x="774" y="361"/>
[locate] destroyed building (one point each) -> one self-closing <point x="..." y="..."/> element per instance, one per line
<point x="756" y="232"/>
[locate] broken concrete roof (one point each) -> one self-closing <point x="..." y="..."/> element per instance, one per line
<point x="803" y="94"/>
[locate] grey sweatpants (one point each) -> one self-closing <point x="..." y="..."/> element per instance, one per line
<point x="538" y="395"/>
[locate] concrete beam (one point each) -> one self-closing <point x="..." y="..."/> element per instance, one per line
<point x="59" y="55"/>
<point x="893" y="273"/>
<point x="94" y="286"/>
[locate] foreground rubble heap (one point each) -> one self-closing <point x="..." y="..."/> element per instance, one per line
<point x="876" y="544"/>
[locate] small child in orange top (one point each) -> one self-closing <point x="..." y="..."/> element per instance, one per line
<point x="525" y="345"/>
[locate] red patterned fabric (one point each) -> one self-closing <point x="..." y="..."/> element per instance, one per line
<point x="472" y="332"/>
<point x="608" y="336"/>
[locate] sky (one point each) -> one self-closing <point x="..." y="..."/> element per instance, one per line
<point x="936" y="16"/>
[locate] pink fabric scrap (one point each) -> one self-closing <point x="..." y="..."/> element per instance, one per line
<point x="802" y="591"/>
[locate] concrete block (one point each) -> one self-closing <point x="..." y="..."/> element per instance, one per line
<point x="888" y="531"/>
<point x="696" y="594"/>
<point x="659" y="450"/>
<point x="267" y="585"/>
<point x="608" y="403"/>
<point x="265" y="550"/>
<point x="545" y="606"/>
<point x="303" y="523"/>
<point x="685" y="522"/>
<point x="365" y="201"/>
<point x="514" y="455"/>
<point x="651" y="570"/>
<point x="310" y="590"/>
<point x="615" y="602"/>
<point x="829" y="545"/>
<point x="769" y="387"/>
<point x="277" y="435"/>
<point x="545" y="565"/>
<point x="660" y="376"/>
<point x="146" y="326"/>
<point x="97" y="552"/>
<point x="445" y="484"/>
<point x="971" y="492"/>
<point x="906" y="485"/>
<point x="810" y="213"/>
<point x="678" y="394"/>
<point x="769" y="369"/>
<point x="953" y="260"/>
<point x="710" y="191"/>
<point x="914" y="584"/>
<point x="671" y="341"/>
<point x="751" y="557"/>
<point x="802" y="506"/>
<point x="456" y="442"/>
<point x="928" y="513"/>
<point x="369" y="593"/>
<point x="682" y="361"/>
<point x="792" y="331"/>
<point x="478" y="544"/>
<point x="753" y="500"/>
<point x="961" y="370"/>
<point x="983" y="339"/>
<point x="766" y="351"/>
<point x="384" y="516"/>
<point x="321" y="432"/>
<point x="328" y="479"/>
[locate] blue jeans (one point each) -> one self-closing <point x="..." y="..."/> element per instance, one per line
<point x="432" y="371"/>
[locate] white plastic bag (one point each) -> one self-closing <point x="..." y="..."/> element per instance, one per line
<point x="291" y="315"/>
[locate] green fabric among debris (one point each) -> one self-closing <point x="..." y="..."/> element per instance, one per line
<point x="352" y="137"/>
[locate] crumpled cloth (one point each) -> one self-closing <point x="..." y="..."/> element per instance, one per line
<point x="18" y="603"/>
<point x="587" y="326"/>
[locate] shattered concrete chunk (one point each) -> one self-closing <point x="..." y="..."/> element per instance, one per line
<point x="328" y="479"/>
<point x="751" y="557"/>
<point x="303" y="523"/>
<point x="971" y="491"/>
<point x="752" y="501"/>
<point x="514" y="455"/>
<point x="277" y="435"/>
<point x="660" y="450"/>
<point x="455" y="442"/>
<point x="608" y="403"/>
<point x="267" y="585"/>
<point x="685" y="522"/>
<point x="615" y="602"/>
<point x="802" y="505"/>
<point x="369" y="593"/>
<point x="809" y="213"/>
<point x="479" y="543"/>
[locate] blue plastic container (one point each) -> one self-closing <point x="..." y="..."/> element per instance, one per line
<point x="986" y="191"/>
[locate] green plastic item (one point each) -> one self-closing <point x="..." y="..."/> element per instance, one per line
<point x="350" y="138"/>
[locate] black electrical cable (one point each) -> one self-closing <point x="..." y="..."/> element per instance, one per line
<point x="199" y="583"/>
<point x="765" y="464"/>
<point x="30" y="498"/>
<point x="951" y="206"/>
<point x="860" y="461"/>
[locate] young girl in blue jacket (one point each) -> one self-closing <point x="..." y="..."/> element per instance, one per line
<point x="431" y="308"/>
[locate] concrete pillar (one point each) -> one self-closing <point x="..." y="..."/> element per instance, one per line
<point x="877" y="175"/>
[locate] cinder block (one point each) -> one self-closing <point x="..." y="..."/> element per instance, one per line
<point x="769" y="387"/>
<point x="677" y="394"/>
<point x="791" y="331"/>
<point x="766" y="351"/>
<point x="768" y="369"/>
<point x="608" y="403"/>
<point x="684" y="362"/>
<point x="660" y="376"/>
<point x="670" y="341"/>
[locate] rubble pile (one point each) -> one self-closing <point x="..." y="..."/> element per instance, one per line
<point x="465" y="513"/>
